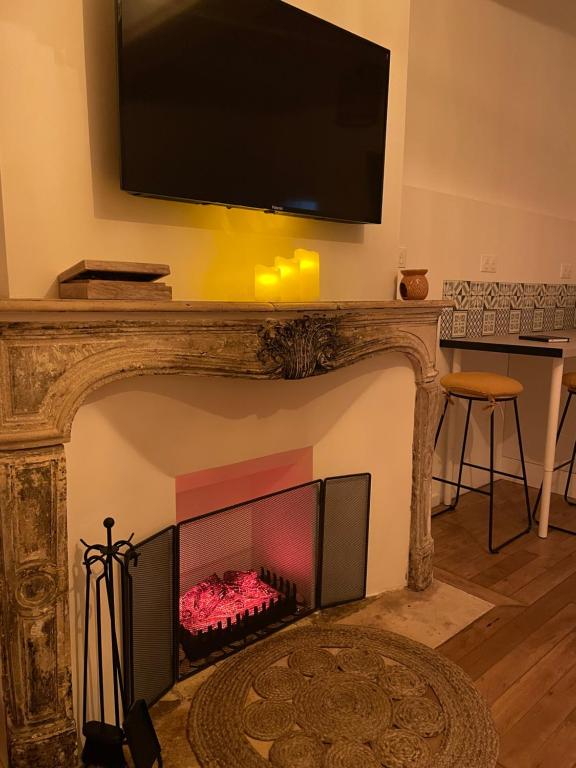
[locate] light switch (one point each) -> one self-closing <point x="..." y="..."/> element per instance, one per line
<point x="487" y="262"/>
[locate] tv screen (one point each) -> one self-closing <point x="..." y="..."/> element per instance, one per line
<point x="251" y="103"/>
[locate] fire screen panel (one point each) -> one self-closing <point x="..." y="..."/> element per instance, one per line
<point x="214" y="584"/>
<point x="246" y="569"/>
<point x="149" y="628"/>
<point x="344" y="539"/>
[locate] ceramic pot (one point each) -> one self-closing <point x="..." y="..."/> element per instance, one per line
<point x="414" y="284"/>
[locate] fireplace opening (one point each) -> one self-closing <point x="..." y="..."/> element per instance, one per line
<point x="211" y="585"/>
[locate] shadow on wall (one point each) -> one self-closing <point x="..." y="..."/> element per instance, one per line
<point x="4" y="291"/>
<point x="552" y="13"/>
<point x="110" y="202"/>
<point x="175" y="440"/>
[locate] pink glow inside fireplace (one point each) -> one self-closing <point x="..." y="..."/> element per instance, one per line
<point x="218" y="487"/>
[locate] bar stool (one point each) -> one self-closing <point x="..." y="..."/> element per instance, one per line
<point x="568" y="381"/>
<point x="492" y="389"/>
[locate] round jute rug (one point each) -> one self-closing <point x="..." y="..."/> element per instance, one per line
<point x="340" y="697"/>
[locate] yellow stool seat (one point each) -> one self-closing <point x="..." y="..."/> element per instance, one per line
<point x="489" y="386"/>
<point x="569" y="381"/>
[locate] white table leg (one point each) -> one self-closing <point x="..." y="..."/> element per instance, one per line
<point x="550" y="445"/>
<point x="449" y="462"/>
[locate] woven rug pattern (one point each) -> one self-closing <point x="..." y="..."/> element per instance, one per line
<point x="340" y="697"/>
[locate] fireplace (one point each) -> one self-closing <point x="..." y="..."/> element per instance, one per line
<point x="211" y="585"/>
<point x="54" y="353"/>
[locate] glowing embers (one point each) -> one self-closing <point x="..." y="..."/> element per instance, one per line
<point x="223" y="615"/>
<point x="215" y="600"/>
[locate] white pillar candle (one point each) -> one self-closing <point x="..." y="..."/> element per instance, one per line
<point x="290" y="288"/>
<point x="266" y="283"/>
<point x="309" y="273"/>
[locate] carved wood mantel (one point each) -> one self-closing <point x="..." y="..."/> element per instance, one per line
<point x="54" y="353"/>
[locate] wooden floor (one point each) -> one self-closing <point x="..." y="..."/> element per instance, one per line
<point x="522" y="653"/>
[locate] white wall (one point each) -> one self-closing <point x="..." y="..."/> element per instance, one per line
<point x="59" y="168"/>
<point x="490" y="162"/>
<point x="61" y="202"/>
<point x="490" y="159"/>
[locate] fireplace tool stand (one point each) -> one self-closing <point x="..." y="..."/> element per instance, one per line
<point x="104" y="741"/>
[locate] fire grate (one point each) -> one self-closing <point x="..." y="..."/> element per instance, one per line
<point x="204" y="647"/>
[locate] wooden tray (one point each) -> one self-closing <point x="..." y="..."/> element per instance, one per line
<point x="125" y="271"/>
<point x="115" y="289"/>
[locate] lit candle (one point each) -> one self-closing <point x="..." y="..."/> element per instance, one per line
<point x="309" y="273"/>
<point x="289" y="278"/>
<point x="266" y="283"/>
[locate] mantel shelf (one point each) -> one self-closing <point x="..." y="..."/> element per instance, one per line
<point x="20" y="306"/>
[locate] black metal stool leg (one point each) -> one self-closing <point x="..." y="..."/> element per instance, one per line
<point x="570" y="472"/>
<point x="441" y="422"/>
<point x="491" y="508"/>
<point x="524" y="479"/>
<point x="462" y="455"/>
<point x="451" y="507"/>
<point x="558" y="432"/>
<point x="523" y="465"/>
<point x="569" y="478"/>
<point x="536" y="505"/>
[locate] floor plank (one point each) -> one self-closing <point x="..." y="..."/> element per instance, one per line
<point x="490" y="595"/>
<point x="522" y="653"/>
<point x="558" y="750"/>
<point x="502" y="675"/>
<point x="542" y="585"/>
<point x="520" y="697"/>
<point x="478" y="661"/>
<point x="519" y="745"/>
<point x="473" y="636"/>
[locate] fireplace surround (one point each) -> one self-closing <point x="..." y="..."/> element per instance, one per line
<point x="54" y="353"/>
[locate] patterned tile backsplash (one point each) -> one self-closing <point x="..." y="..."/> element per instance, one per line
<point x="487" y="309"/>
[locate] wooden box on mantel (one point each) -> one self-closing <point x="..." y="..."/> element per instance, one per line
<point x="114" y="280"/>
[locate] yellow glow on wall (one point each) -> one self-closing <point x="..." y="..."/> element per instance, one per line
<point x="266" y="283"/>
<point x="235" y="241"/>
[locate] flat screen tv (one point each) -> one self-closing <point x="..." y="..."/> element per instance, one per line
<point x="251" y="103"/>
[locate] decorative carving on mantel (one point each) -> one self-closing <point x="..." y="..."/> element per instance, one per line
<point x="50" y="362"/>
<point x="306" y="346"/>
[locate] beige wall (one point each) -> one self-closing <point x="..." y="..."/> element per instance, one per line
<point x="59" y="167"/>
<point x="61" y="203"/>
<point x="490" y="163"/>
<point x="490" y="160"/>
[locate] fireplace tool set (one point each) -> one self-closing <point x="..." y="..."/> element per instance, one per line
<point x="103" y="747"/>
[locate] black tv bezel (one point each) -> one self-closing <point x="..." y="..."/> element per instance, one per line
<point x="271" y="209"/>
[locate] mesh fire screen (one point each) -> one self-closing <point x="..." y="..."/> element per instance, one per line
<point x="149" y="637"/>
<point x="344" y="548"/>
<point x="213" y="584"/>
<point x="246" y="569"/>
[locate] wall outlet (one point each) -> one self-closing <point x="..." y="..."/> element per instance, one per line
<point x="487" y="262"/>
<point x="402" y="257"/>
<point x="565" y="271"/>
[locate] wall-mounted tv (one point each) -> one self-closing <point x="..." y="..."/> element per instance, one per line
<point x="251" y="103"/>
